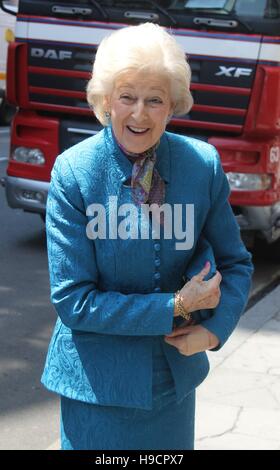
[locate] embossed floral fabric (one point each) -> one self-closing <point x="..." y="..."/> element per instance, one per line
<point x="112" y="295"/>
<point x="169" y="425"/>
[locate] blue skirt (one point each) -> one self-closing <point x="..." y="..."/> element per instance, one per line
<point x="168" y="426"/>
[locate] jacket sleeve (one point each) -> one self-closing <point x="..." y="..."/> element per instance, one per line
<point x="74" y="274"/>
<point x="232" y="259"/>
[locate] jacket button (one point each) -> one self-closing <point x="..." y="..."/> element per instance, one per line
<point x="157" y="246"/>
<point x="157" y="289"/>
<point x="157" y="262"/>
<point x="157" y="276"/>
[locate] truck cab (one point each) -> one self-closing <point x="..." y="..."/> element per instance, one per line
<point x="233" y="47"/>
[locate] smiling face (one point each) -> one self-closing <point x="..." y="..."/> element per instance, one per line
<point x="139" y="106"/>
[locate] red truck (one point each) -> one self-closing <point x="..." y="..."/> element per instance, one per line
<point x="233" y="47"/>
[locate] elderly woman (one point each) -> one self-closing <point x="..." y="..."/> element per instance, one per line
<point x="147" y="267"/>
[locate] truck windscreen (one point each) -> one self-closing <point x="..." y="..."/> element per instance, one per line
<point x="256" y="8"/>
<point x="245" y="16"/>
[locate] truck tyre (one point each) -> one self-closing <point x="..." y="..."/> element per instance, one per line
<point x="7" y="112"/>
<point x="43" y="217"/>
<point x="268" y="251"/>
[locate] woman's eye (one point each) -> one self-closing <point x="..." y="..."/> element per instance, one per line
<point x="155" y="101"/>
<point x="126" y="98"/>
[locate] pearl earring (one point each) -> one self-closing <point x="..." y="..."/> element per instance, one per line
<point x="107" y="114"/>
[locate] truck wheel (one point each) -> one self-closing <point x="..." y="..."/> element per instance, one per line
<point x="7" y="112"/>
<point x="268" y="251"/>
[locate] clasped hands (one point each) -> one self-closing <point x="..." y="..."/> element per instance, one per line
<point x="196" y="294"/>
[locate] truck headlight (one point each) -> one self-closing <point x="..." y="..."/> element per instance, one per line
<point x="28" y="155"/>
<point x="248" y="181"/>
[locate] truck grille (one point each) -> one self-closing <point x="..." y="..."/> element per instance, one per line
<point x="59" y="84"/>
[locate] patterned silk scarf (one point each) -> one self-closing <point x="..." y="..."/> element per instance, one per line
<point x="146" y="182"/>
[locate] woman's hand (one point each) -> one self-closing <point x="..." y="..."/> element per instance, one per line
<point x="199" y="294"/>
<point x="192" y="339"/>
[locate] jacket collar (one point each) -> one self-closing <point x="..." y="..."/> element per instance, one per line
<point x="123" y="166"/>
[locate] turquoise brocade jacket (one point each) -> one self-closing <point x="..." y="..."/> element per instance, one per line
<point x="114" y="295"/>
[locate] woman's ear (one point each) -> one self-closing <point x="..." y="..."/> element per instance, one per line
<point x="171" y="112"/>
<point x="107" y="104"/>
<point x="170" y="115"/>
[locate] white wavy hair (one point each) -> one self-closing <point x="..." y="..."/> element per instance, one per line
<point x="143" y="48"/>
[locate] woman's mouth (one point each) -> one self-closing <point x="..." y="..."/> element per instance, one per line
<point x="138" y="130"/>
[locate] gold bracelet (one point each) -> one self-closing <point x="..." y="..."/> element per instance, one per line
<point x="180" y="306"/>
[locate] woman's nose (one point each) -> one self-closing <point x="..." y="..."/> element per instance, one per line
<point x="139" y="110"/>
